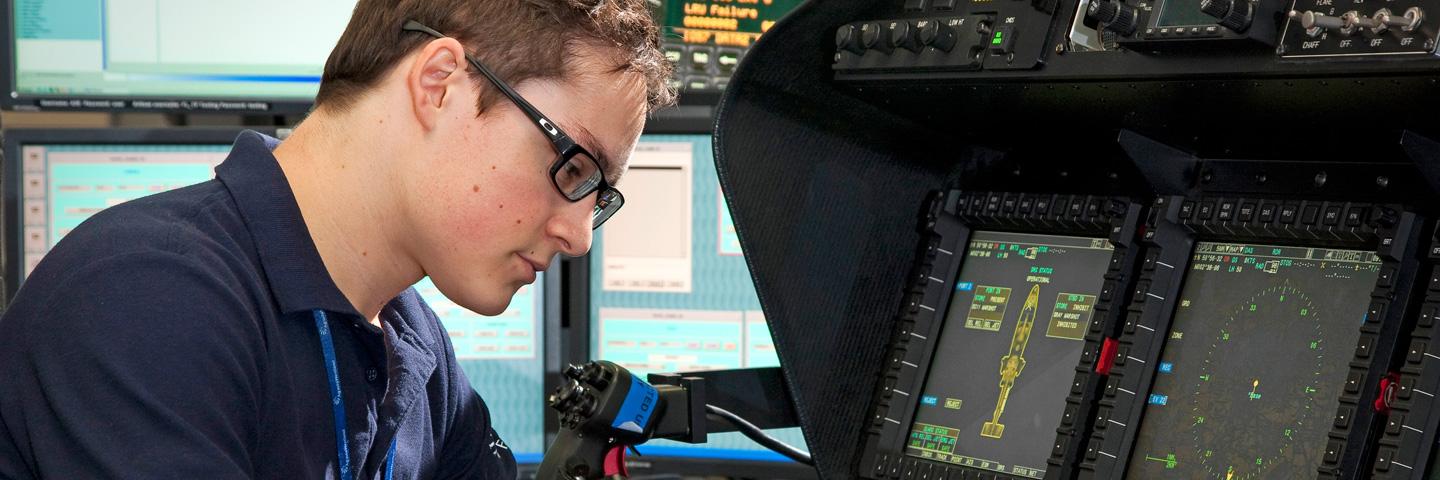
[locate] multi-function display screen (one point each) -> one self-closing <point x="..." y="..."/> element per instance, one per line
<point x="1248" y="384"/>
<point x="1007" y="352"/>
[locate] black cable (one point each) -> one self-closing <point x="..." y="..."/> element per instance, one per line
<point x="760" y="437"/>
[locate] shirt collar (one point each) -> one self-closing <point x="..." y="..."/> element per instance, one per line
<point x="292" y="265"/>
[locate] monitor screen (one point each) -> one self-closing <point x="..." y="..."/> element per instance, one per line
<point x="1176" y="13"/>
<point x="706" y="38"/>
<point x="670" y="291"/>
<point x="502" y="357"/>
<point x="168" y="51"/>
<point x="1249" y="380"/>
<point x="61" y="185"/>
<point x="1007" y="353"/>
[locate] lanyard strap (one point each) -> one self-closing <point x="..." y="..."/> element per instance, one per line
<point x="337" y="402"/>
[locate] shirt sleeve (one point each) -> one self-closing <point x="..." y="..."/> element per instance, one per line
<point x="141" y="365"/>
<point x="472" y="449"/>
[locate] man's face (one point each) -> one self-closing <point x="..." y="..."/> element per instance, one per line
<point x="484" y="213"/>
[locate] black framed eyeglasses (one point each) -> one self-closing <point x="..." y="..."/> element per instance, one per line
<point x="576" y="173"/>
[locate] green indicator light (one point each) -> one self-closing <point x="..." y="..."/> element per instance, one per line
<point x="996" y="41"/>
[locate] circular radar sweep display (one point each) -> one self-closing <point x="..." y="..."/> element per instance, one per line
<point x="1256" y="390"/>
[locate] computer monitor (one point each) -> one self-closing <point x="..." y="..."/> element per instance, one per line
<point x="168" y="55"/>
<point x="504" y="358"/>
<point x="707" y="38"/>
<point x="1007" y="352"/>
<point x="55" y="179"/>
<point x="1255" y="362"/>
<point x="669" y="291"/>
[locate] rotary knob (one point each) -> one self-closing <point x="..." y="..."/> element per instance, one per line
<point x="872" y="37"/>
<point x="848" y="38"/>
<point x="1235" y="15"/>
<point x="1117" y="17"/>
<point x="935" y="33"/>
<point x="903" y="35"/>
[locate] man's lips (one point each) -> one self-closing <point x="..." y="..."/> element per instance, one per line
<point x="539" y="267"/>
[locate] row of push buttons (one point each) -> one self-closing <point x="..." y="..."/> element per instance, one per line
<point x="699" y="58"/>
<point x="1183" y="32"/>
<point x="900" y="467"/>
<point x="1287" y="214"/>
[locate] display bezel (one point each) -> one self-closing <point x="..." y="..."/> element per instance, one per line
<point x="952" y="218"/>
<point x="1175" y="225"/>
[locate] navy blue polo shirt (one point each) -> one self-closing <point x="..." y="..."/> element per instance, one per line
<point x="173" y="336"/>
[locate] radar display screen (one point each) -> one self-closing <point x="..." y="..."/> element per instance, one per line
<point x="1250" y="377"/>
<point x="1007" y="352"/>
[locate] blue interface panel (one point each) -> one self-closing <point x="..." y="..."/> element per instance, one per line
<point x="63" y="185"/>
<point x="502" y="357"/>
<point x="169" y="49"/>
<point x="670" y="290"/>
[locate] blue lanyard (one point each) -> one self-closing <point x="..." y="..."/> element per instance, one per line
<point x="337" y="400"/>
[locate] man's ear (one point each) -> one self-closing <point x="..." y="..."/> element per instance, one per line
<point x="439" y="68"/>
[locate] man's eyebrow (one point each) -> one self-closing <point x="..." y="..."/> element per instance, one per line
<point x="588" y="140"/>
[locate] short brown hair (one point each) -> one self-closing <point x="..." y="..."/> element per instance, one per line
<point x="517" y="39"/>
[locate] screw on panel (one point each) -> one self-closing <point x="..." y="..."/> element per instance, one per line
<point x="1059" y="49"/>
<point x="1382" y="181"/>
<point x="1261" y="178"/>
<point x="1320" y="179"/>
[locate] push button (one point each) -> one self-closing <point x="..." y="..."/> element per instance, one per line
<point x="1187" y="210"/>
<point x="1227" y="212"/>
<point x="727" y="59"/>
<point x="701" y="57"/>
<point x="1416" y="355"/>
<point x="1310" y="215"/>
<point x="1427" y="315"/>
<point x="1342" y="417"/>
<point x="1364" y="347"/>
<point x="1267" y="213"/>
<point x="1386" y="278"/>
<point x="1002" y="41"/>
<point x="1355" y="216"/>
<point x="1353" y="381"/>
<point x="1384" y="458"/>
<point x="1396" y="422"/>
<point x="1207" y="210"/>
<point x="914" y="5"/>
<point x="1376" y="312"/>
<point x="1332" y="216"/>
<point x="1288" y="214"/>
<point x="1247" y="212"/>
<point x="1333" y="451"/>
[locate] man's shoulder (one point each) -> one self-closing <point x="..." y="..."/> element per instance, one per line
<point x="163" y="241"/>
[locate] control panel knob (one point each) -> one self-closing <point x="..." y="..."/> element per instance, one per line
<point x="872" y="37"/>
<point x="1232" y="14"/>
<point x="1117" y="17"/>
<point x="1406" y="23"/>
<point x="848" y="38"/>
<point x="903" y="35"/>
<point x="1316" y="23"/>
<point x="935" y="33"/>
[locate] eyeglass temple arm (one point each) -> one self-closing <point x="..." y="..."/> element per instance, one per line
<point x="544" y="124"/>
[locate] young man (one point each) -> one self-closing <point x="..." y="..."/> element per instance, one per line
<point x="260" y="325"/>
